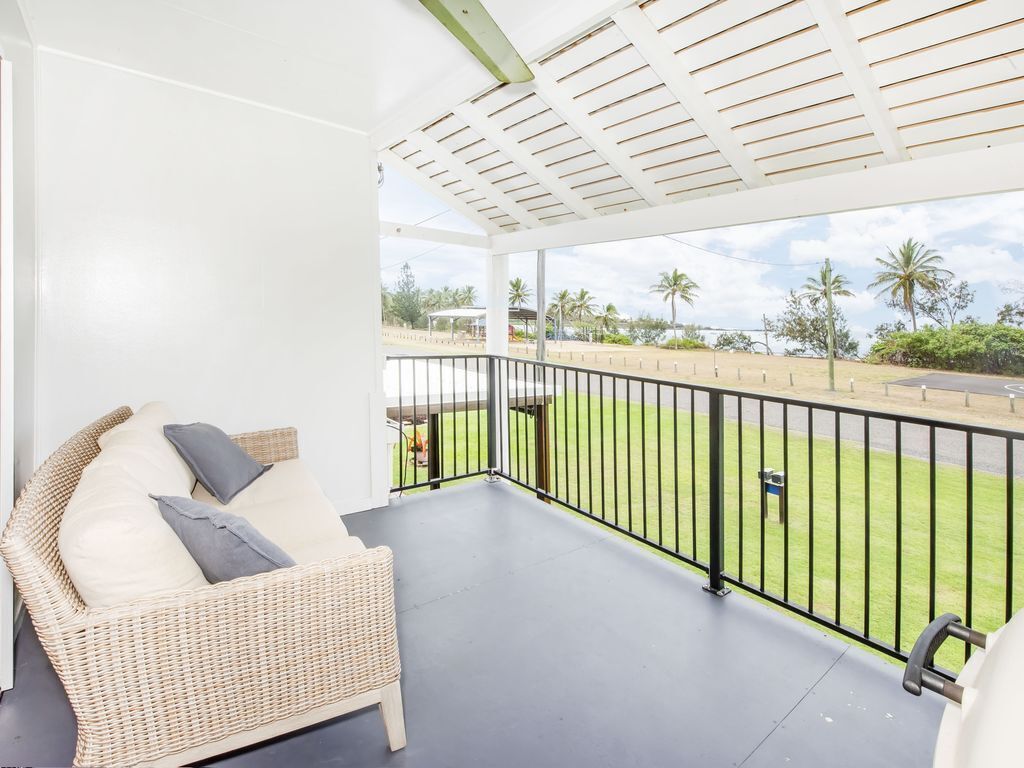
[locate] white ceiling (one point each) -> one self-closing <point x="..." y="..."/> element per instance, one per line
<point x="352" y="63"/>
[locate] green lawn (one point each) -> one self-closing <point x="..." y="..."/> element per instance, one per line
<point x="672" y="511"/>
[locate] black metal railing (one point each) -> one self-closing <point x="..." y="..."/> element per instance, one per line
<point x="869" y="523"/>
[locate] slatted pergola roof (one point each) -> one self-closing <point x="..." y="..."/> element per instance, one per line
<point x="669" y="101"/>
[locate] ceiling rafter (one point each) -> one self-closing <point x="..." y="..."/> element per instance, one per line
<point x="445" y="159"/>
<point x="407" y="169"/>
<point x="593" y="135"/>
<point x="644" y="36"/>
<point x="839" y="35"/>
<point x="476" y="119"/>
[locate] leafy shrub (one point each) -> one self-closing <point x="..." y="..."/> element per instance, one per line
<point x="684" y="343"/>
<point x="646" y="329"/>
<point x="736" y="340"/>
<point x="617" y="338"/>
<point x="970" y="347"/>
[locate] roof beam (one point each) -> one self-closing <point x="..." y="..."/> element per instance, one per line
<point x="645" y="37"/>
<point x="434" y="235"/>
<point x="844" y="44"/>
<point x="475" y="118"/>
<point x="577" y="118"/>
<point x="431" y="187"/>
<point x="464" y="173"/>
<point x="972" y="172"/>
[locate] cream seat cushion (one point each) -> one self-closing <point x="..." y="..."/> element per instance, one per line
<point x="287" y="506"/>
<point x="114" y="544"/>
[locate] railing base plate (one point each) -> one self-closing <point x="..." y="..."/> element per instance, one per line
<point x="722" y="592"/>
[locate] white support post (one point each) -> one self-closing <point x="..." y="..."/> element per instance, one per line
<point x="542" y="321"/>
<point x="833" y="24"/>
<point x="644" y="36"/>
<point x="497" y="304"/>
<point x="6" y="363"/>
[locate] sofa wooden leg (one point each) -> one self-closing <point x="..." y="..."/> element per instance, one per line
<point x="394" y="717"/>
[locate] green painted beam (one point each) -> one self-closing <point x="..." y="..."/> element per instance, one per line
<point x="473" y="26"/>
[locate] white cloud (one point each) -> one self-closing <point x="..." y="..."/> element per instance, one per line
<point x="983" y="263"/>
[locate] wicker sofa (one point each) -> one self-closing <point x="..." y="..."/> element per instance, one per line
<point x="175" y="678"/>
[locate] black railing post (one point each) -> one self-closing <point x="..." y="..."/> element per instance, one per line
<point x="492" y="417"/>
<point x="716" y="494"/>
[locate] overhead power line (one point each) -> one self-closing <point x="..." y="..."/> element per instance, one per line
<point x="740" y="258"/>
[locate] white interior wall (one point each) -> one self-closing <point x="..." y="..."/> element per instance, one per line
<point x="210" y="253"/>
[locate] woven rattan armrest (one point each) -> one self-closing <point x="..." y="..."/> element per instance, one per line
<point x="270" y="445"/>
<point x="166" y="674"/>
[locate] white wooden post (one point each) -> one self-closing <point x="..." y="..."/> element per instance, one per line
<point x="541" y="323"/>
<point x="497" y="338"/>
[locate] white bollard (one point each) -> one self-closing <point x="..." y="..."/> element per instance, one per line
<point x="641" y="363"/>
<point x="887" y="389"/>
<point x="791" y="378"/>
<point x="851" y="385"/>
<point x="716" y="371"/>
<point x="967" y="399"/>
<point x="924" y="392"/>
<point x="1013" y="403"/>
<point x="694" y="369"/>
<point x="764" y="377"/>
<point x="739" y="376"/>
<point x="658" y="363"/>
<point x="675" y="367"/>
<point x="609" y="361"/>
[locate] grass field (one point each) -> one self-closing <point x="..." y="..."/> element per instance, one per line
<point x="670" y="502"/>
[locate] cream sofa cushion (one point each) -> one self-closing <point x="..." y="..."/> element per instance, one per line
<point x="287" y="506"/>
<point x="115" y="545"/>
<point x="139" y="444"/>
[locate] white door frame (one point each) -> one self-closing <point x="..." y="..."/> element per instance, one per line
<point x="6" y="363"/>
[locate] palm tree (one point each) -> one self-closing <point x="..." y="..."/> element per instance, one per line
<point x="675" y="285"/>
<point x="583" y="307"/>
<point x="518" y="294"/>
<point x="562" y="305"/>
<point x="825" y="288"/>
<point x="607" y="318"/>
<point x="912" y="266"/>
<point x="467" y="295"/>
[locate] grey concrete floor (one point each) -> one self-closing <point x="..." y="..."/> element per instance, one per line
<point x="532" y="638"/>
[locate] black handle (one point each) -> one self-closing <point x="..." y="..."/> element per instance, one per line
<point x="920" y="673"/>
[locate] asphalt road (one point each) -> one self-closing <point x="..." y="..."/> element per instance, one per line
<point x="964" y="382"/>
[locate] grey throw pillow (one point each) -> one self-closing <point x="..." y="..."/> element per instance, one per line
<point x="225" y="546"/>
<point x="222" y="467"/>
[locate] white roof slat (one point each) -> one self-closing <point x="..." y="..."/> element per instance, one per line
<point x="993" y="70"/>
<point x="479" y="155"/>
<point x="689" y="165"/>
<point x="653" y="100"/>
<point x="879" y="17"/>
<point x="546" y="205"/>
<point x="560" y="218"/>
<point x="559" y="152"/>
<point x="500" y="97"/>
<point x="586" y="175"/>
<point x="969" y="49"/>
<point x="512" y="182"/>
<point x="717" y="18"/>
<point x="619" y="196"/>
<point x="809" y="137"/>
<point x="945" y="26"/>
<point x="665" y="12"/>
<point x="577" y="55"/>
<point x="781" y="103"/>
<point x="617" y="90"/>
<point x="827" y="153"/>
<point x="603" y="71"/>
<point x="565" y="168"/>
<point x="751" y="63"/>
<point x="775" y="80"/>
<point x="633" y="205"/>
<point x="963" y="125"/>
<point x="1006" y="92"/>
<point x="700" y="179"/>
<point x="540" y="131"/>
<point x="444" y="126"/>
<point x="700" y="145"/>
<point x="663" y="137"/>
<point x="708" y="191"/>
<point x="602" y="187"/>
<point x="645" y="121"/>
<point x="786" y="20"/>
<point x="518" y="111"/>
<point x="851" y="164"/>
<point x="819" y="114"/>
<point x="976" y="141"/>
<point x="526" y="193"/>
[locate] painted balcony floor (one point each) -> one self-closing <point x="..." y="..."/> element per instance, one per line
<point x="532" y="638"/>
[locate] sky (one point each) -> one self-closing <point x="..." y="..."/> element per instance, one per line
<point x="753" y="266"/>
